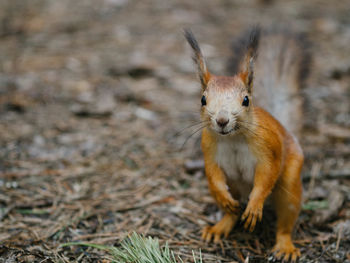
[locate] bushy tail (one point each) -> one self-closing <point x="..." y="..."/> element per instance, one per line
<point x="280" y="72"/>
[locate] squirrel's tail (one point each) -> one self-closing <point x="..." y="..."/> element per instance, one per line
<point x="280" y="72"/>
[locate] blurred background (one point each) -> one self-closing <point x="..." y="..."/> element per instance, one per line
<point x="95" y="98"/>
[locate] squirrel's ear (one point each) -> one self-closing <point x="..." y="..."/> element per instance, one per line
<point x="198" y="58"/>
<point x="246" y="67"/>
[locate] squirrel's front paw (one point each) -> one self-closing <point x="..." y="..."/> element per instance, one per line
<point x="252" y="213"/>
<point x="228" y="204"/>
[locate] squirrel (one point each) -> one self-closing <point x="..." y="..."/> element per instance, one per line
<point x="250" y="152"/>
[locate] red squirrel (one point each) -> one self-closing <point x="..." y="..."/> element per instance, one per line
<point x="250" y="152"/>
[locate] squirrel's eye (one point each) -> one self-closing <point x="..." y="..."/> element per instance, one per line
<point x="245" y="101"/>
<point x="204" y="101"/>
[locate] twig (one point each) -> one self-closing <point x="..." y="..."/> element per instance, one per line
<point x="315" y="172"/>
<point x="332" y="175"/>
<point x="340" y="232"/>
<point x="7" y="210"/>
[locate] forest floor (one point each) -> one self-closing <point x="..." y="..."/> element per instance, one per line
<point x="95" y="98"/>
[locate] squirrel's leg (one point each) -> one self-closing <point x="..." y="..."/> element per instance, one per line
<point x="223" y="227"/>
<point x="219" y="189"/>
<point x="266" y="175"/>
<point x="287" y="200"/>
<point x="221" y="193"/>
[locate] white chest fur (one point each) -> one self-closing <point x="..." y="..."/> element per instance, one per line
<point x="237" y="161"/>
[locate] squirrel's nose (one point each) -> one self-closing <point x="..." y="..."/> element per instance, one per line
<point x="222" y="122"/>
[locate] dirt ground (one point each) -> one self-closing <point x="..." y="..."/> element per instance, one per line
<point x="95" y="98"/>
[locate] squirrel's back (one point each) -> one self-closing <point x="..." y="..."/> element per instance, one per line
<point x="280" y="72"/>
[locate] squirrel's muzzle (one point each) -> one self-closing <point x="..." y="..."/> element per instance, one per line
<point x="222" y="119"/>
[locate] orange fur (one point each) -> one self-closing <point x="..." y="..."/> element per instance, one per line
<point x="217" y="179"/>
<point x="249" y="141"/>
<point x="244" y="76"/>
<point x="206" y="78"/>
<point x="279" y="162"/>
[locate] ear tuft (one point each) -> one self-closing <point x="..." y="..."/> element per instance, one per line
<point x="246" y="68"/>
<point x="198" y="58"/>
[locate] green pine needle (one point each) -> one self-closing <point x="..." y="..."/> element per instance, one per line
<point x="316" y="205"/>
<point x="138" y="249"/>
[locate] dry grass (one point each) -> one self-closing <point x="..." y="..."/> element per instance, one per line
<point x="94" y="105"/>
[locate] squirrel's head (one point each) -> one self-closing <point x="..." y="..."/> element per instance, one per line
<point x="226" y="101"/>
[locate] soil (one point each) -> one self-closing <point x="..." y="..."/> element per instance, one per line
<point x="96" y="104"/>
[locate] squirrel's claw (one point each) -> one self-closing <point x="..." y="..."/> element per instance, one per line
<point x="251" y="215"/>
<point x="229" y="204"/>
<point x="233" y="207"/>
<point x="214" y="231"/>
<point x="209" y="232"/>
<point x="221" y="228"/>
<point x="286" y="253"/>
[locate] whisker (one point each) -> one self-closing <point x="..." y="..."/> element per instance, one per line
<point x="258" y="125"/>
<point x="201" y="128"/>
<point x="249" y="130"/>
<point x="237" y="113"/>
<point x="210" y="112"/>
<point x="189" y="111"/>
<point x="192" y="125"/>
